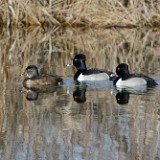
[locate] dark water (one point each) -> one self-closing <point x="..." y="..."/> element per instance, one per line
<point x="78" y="122"/>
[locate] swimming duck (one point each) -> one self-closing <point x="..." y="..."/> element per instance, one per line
<point x="84" y="74"/>
<point x="36" y="80"/>
<point x="125" y="79"/>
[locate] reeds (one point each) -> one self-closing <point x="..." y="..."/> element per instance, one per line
<point x="51" y="50"/>
<point x="92" y="13"/>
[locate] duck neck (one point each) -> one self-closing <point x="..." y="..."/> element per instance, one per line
<point x="78" y="73"/>
<point x="125" y="76"/>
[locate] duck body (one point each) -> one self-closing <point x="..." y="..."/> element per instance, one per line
<point x="92" y="75"/>
<point x="42" y="80"/>
<point x="84" y="74"/>
<point x="36" y="80"/>
<point x="125" y="79"/>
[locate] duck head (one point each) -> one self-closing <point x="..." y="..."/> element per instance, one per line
<point x="122" y="70"/>
<point x="31" y="72"/>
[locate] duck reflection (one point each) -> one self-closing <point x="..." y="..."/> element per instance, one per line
<point x="86" y="104"/>
<point x="79" y="95"/>
<point x="33" y="92"/>
<point x="30" y="94"/>
<point x="122" y="97"/>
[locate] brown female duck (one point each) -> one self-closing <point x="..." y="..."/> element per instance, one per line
<point x="35" y="79"/>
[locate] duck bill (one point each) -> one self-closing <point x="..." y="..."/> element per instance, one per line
<point x="69" y="65"/>
<point x="24" y="74"/>
<point x="113" y="74"/>
<point x="22" y="91"/>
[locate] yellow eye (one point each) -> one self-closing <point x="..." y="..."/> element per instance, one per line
<point x="75" y="59"/>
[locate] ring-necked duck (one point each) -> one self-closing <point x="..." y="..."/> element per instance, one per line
<point x="84" y="74"/>
<point x="34" y="79"/>
<point x="125" y="79"/>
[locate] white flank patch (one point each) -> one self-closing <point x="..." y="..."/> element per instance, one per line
<point x="93" y="77"/>
<point x="131" y="82"/>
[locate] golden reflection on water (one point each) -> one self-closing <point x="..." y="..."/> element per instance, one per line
<point x="57" y="125"/>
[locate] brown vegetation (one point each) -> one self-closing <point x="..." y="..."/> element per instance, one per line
<point x="93" y="13"/>
<point x="51" y="50"/>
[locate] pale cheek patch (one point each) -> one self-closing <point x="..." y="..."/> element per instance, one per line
<point x="94" y="77"/>
<point x="131" y="82"/>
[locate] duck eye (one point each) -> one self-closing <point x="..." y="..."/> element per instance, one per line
<point x="76" y="60"/>
<point x="118" y="69"/>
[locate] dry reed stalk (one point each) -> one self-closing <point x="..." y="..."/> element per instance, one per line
<point x="93" y="13"/>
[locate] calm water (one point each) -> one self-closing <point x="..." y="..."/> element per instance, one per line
<point x="90" y="121"/>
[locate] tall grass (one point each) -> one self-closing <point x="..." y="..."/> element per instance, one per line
<point x="93" y="13"/>
<point x="51" y="50"/>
